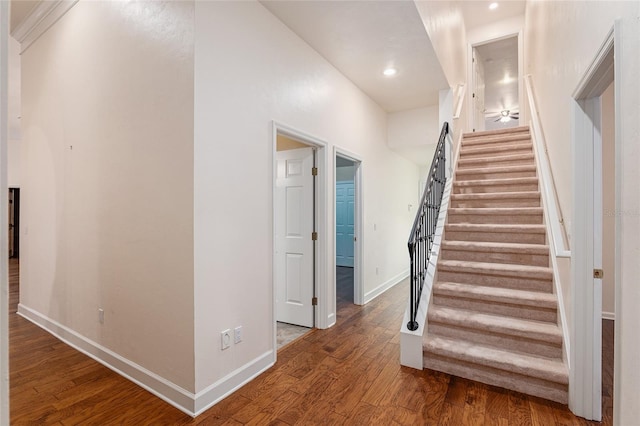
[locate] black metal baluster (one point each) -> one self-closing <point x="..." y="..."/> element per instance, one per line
<point x="424" y="226"/>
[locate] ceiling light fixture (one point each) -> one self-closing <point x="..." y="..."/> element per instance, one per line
<point x="390" y="72"/>
<point x="493" y="6"/>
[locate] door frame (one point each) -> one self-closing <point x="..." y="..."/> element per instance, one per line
<point x="469" y="94"/>
<point x="585" y="372"/>
<point x="4" y="206"/>
<point x="358" y="284"/>
<point x="323" y="314"/>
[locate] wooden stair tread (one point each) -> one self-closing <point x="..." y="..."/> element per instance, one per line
<point x="526" y="365"/>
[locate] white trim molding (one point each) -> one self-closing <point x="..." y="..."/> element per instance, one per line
<point x="459" y="95"/>
<point x="585" y="374"/>
<point x="4" y="255"/>
<point x="233" y="381"/>
<point x="162" y="388"/>
<point x="41" y="18"/>
<point x="553" y="213"/>
<point x="372" y="294"/>
<point x="358" y="282"/>
<point x="185" y="401"/>
<point x="608" y="316"/>
<point x="325" y="310"/>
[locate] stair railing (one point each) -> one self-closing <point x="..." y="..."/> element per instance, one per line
<point x="424" y="226"/>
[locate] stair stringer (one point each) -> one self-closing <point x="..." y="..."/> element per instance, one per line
<point x="557" y="252"/>
<point x="411" y="342"/>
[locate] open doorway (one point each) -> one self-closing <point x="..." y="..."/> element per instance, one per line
<point x="496" y="84"/>
<point x="14" y="223"/>
<point x="596" y="234"/>
<point x="348" y="235"/>
<point x="345" y="230"/>
<point x="294" y="263"/>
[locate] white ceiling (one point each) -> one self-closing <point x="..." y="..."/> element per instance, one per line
<point x="476" y="13"/>
<point x="362" y="38"/>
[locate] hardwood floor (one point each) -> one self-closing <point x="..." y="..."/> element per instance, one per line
<point x="348" y="374"/>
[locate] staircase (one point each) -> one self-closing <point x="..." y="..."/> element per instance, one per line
<point x="493" y="316"/>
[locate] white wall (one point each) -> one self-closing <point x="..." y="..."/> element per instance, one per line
<point x="496" y="29"/>
<point x="251" y="69"/>
<point x="107" y="198"/>
<point x="414" y="133"/>
<point x="562" y="39"/>
<point x="4" y="273"/>
<point x="14" y="133"/>
<point x="608" y="203"/>
<point x="444" y="23"/>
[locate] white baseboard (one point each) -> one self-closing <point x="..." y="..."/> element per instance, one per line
<point x="370" y="295"/>
<point x="224" y="387"/>
<point x="608" y="315"/>
<point x="187" y="402"/>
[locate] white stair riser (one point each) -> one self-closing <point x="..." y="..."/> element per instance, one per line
<point x="497" y="308"/>
<point x="481" y="218"/>
<point x="500" y="202"/>
<point x="496" y="237"/>
<point x="517" y="382"/>
<point x="488" y="174"/>
<point x="518" y="258"/>
<point x="514" y="282"/>
<point x="497" y="340"/>
<point x="483" y="189"/>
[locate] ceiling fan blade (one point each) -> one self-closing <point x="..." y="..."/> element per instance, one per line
<point x="497" y="120"/>
<point x="514" y="117"/>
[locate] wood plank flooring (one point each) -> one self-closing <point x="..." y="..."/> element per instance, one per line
<point x="348" y="374"/>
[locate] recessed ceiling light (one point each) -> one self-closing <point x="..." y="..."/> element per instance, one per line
<point x="493" y="6"/>
<point x="390" y="72"/>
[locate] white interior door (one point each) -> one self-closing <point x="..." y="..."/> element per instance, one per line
<point x="345" y="203"/>
<point x="294" y="245"/>
<point x="478" y="92"/>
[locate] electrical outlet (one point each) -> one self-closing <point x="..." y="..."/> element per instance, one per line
<point x="101" y="315"/>
<point x="376" y="270"/>
<point x="237" y="334"/>
<point x="225" y="339"/>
